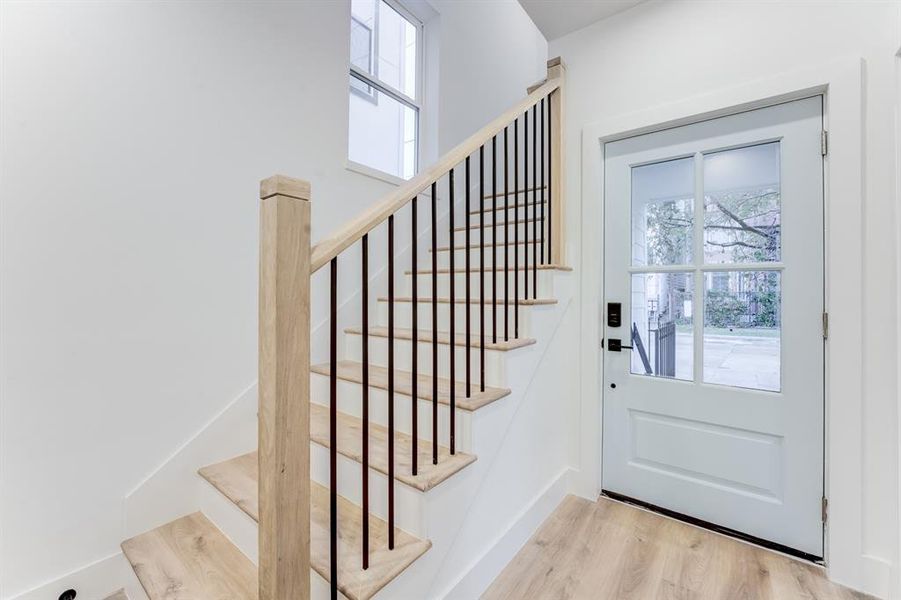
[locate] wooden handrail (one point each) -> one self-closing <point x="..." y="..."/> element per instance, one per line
<point x="347" y="235"/>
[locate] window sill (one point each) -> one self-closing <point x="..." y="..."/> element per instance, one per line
<point x="374" y="173"/>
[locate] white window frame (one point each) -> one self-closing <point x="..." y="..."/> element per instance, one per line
<point x="373" y="80"/>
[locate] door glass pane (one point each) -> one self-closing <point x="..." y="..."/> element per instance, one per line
<point x="661" y="333"/>
<point x="742" y="329"/>
<point x="662" y="213"/>
<point x="742" y="205"/>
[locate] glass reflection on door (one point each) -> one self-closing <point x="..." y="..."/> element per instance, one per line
<point x="661" y="325"/>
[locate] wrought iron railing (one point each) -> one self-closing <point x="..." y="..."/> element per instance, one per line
<point x="282" y="372"/>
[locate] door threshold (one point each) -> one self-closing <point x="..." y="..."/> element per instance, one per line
<point x="744" y="537"/>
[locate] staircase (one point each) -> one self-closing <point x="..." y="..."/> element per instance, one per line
<point x="389" y="455"/>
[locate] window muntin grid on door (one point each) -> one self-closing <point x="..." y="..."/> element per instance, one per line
<point x="706" y="233"/>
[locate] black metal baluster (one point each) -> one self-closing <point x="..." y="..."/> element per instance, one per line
<point x="414" y="339"/>
<point x="482" y="267"/>
<point x="494" y="239"/>
<point x="468" y="305"/>
<point x="435" y="323"/>
<point x="525" y="199"/>
<point x="542" y="181"/>
<point x="391" y="382"/>
<point x="550" y="164"/>
<point x="365" y="400"/>
<point x="516" y="228"/>
<point x="506" y="240"/>
<point x="453" y="308"/>
<point x="535" y="200"/>
<point x="333" y="428"/>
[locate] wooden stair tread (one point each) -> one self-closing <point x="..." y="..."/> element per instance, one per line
<point x="350" y="444"/>
<point x="475" y="246"/>
<point x="473" y="300"/>
<point x="237" y="479"/>
<point x="444" y="338"/>
<point x="188" y="559"/>
<point x="119" y="595"/>
<point x="349" y="370"/>
<point x="488" y="269"/>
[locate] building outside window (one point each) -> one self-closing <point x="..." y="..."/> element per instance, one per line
<point x="385" y="83"/>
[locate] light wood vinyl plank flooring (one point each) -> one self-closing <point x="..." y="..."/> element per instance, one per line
<point x="608" y="550"/>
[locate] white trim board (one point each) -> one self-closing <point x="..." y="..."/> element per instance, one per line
<point x="841" y="84"/>
<point x="896" y="569"/>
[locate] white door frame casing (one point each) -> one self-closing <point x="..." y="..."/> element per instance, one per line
<point x="841" y="84"/>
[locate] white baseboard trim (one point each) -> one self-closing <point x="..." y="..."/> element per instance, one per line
<point x="487" y="566"/>
<point x="877" y="576"/>
<point x="92" y="582"/>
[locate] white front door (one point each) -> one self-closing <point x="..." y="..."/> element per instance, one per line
<point x="714" y="253"/>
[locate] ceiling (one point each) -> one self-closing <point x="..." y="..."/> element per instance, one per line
<point x="556" y="18"/>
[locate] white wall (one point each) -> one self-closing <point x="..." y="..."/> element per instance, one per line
<point x="490" y="52"/>
<point x="133" y="139"/>
<point x="664" y="52"/>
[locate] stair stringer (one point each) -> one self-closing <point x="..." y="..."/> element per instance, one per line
<point x="469" y="515"/>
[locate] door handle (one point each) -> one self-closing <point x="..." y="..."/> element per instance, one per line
<point x="616" y="345"/>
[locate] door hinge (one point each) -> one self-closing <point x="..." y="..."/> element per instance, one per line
<point x="825" y="508"/>
<point x="825" y="325"/>
<point x="824" y="142"/>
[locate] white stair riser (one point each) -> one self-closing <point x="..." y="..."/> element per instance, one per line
<point x="350" y="402"/>
<point x="424" y="283"/>
<point x="526" y="192"/>
<point x="495" y="360"/>
<point x="525" y="231"/>
<point x="402" y="317"/>
<point x="241" y="529"/>
<point x="523" y="215"/>
<point x="474" y="253"/>
<point x="409" y="503"/>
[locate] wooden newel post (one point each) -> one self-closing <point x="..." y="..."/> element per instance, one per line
<point x="557" y="70"/>
<point x="284" y="389"/>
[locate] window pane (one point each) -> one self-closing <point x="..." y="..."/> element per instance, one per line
<point x="376" y="28"/>
<point x="662" y="213"/>
<point x="382" y="131"/>
<point x="360" y="45"/>
<point x="662" y="338"/>
<point x="396" y="50"/>
<point x="362" y="24"/>
<point x="742" y="329"/>
<point x="742" y="205"/>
